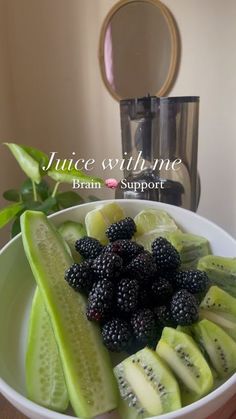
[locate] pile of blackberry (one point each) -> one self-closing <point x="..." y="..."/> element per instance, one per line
<point x="132" y="293"/>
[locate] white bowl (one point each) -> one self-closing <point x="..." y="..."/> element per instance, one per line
<point x="16" y="291"/>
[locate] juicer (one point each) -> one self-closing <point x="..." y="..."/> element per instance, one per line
<point x="161" y="133"/>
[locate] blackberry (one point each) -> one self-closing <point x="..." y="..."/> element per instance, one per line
<point x="126" y="249"/>
<point x="184" y="308"/>
<point x="163" y="316"/>
<point x="144" y="297"/>
<point x="107" y="266"/>
<point x="100" y="301"/>
<point x="88" y="247"/>
<point x="142" y="267"/>
<point x="169" y="275"/>
<point x="144" y="326"/>
<point x="80" y="277"/>
<point x="116" y="335"/>
<point x="165" y="255"/>
<point x="194" y="281"/>
<point x="162" y="290"/>
<point x="123" y="229"/>
<point x="127" y="295"/>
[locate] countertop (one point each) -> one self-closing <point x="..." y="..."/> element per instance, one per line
<point x="9" y="412"/>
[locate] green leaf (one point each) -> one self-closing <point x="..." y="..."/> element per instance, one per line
<point x="26" y="186"/>
<point x="11" y="195"/>
<point x="28" y="164"/>
<point x="93" y="198"/>
<point x="32" y="205"/>
<point x="47" y="205"/>
<point x="9" y="212"/>
<point x="15" y="229"/>
<point x="26" y="190"/>
<point x="68" y="175"/>
<point x="43" y="190"/>
<point x="44" y="206"/>
<point x="69" y="199"/>
<point x="39" y="156"/>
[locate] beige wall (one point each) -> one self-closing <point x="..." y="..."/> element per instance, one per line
<point x="60" y="102"/>
<point x="208" y="69"/>
<point x="7" y="176"/>
<point x="6" y="99"/>
<point x="52" y="95"/>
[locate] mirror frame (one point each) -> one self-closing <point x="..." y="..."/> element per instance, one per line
<point x="175" y="46"/>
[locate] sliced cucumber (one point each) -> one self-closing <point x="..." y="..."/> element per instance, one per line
<point x="88" y="372"/>
<point x="72" y="231"/>
<point x="45" y="380"/>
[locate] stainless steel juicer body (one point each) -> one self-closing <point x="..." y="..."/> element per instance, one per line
<point x="160" y="135"/>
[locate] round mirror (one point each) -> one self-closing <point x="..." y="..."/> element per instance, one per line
<point x="138" y="50"/>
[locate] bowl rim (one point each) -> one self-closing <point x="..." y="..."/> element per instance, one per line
<point x="11" y="394"/>
<point x="120" y="201"/>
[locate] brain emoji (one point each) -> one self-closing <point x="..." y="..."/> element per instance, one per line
<point x="111" y="183"/>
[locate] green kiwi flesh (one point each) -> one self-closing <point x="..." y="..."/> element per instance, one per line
<point x="221" y="271"/>
<point x="190" y="247"/>
<point x="220" y="347"/>
<point x="183" y="356"/>
<point x="185" y="329"/>
<point x="86" y="363"/>
<point x="219" y="307"/>
<point x="147" y="386"/>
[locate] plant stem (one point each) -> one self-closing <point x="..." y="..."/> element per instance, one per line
<point x="55" y="189"/>
<point x="34" y="191"/>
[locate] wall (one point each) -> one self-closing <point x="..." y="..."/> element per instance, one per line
<point x="6" y="114"/>
<point x="5" y="79"/>
<point x="6" y="111"/>
<point x="52" y="95"/>
<point x="60" y="102"/>
<point x="207" y="69"/>
<point x="58" y="99"/>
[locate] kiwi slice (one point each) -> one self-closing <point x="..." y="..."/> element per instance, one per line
<point x="221" y="271"/>
<point x="98" y="220"/>
<point x="220" y="307"/>
<point x="45" y="380"/>
<point x="190" y="247"/>
<point x="186" y="360"/>
<point x="72" y="231"/>
<point x="86" y="363"/>
<point x="185" y="329"/>
<point x="146" y="385"/>
<point x="221" y="348"/>
<point x="152" y="223"/>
